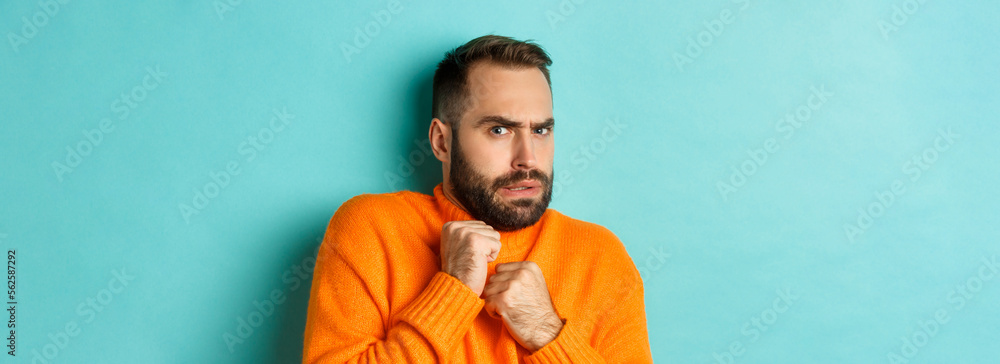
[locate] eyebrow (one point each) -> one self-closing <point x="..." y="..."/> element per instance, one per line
<point x="502" y="121"/>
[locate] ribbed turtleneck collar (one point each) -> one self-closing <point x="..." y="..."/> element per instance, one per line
<point x="514" y="242"/>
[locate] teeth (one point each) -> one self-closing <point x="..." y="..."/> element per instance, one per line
<point x="519" y="188"/>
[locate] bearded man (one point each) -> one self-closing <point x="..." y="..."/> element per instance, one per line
<point x="481" y="271"/>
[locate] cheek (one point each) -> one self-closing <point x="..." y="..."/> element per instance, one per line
<point x="547" y="152"/>
<point x="545" y="156"/>
<point x="489" y="158"/>
<point x="486" y="165"/>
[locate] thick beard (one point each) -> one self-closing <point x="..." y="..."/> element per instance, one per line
<point x="477" y="194"/>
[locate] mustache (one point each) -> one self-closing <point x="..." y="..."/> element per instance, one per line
<point x="522" y="175"/>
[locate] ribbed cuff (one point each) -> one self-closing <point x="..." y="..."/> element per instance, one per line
<point x="567" y="347"/>
<point x="444" y="311"/>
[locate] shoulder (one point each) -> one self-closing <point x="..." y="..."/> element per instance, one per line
<point x="582" y="229"/>
<point x="366" y="219"/>
<point x="604" y="246"/>
<point x="377" y="206"/>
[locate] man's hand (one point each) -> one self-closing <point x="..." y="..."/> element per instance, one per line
<point x="467" y="247"/>
<point x="517" y="292"/>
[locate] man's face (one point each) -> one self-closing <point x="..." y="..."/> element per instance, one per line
<point x="504" y="140"/>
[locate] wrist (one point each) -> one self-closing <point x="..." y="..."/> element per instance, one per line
<point x="549" y="331"/>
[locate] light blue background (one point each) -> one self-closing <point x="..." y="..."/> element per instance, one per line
<point x="712" y="262"/>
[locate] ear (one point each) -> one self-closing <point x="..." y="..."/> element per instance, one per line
<point x="440" y="138"/>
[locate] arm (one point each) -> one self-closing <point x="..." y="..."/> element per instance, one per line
<point x="346" y="322"/>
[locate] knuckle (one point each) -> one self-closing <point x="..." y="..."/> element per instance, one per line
<point x="467" y="234"/>
<point x="513" y="285"/>
<point x="523" y="274"/>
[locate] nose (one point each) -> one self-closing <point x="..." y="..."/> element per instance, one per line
<point x="524" y="152"/>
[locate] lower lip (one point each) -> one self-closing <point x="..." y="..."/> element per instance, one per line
<point x="527" y="192"/>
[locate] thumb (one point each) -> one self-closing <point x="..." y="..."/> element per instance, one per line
<point x="491" y="310"/>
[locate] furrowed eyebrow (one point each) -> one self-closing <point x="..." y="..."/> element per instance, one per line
<point x="502" y="121"/>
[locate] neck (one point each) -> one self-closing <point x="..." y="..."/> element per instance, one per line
<point x="449" y="193"/>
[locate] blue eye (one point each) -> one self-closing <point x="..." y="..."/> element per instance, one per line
<point x="497" y="127"/>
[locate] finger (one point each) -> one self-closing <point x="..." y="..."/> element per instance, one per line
<point x="469" y="226"/>
<point x="455" y="225"/>
<point x="476" y="230"/>
<point x="509" y="266"/>
<point x="486" y="230"/>
<point x="494" y="245"/>
<point x="491" y="309"/>
<point x="492" y="250"/>
<point x="501" y="277"/>
<point x="493" y="232"/>
<point x="533" y="266"/>
<point x="494" y="288"/>
<point x="482" y="225"/>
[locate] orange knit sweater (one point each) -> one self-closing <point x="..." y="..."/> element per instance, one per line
<point x="378" y="293"/>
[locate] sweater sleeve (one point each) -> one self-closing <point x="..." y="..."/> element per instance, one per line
<point x="620" y="336"/>
<point x="345" y="322"/>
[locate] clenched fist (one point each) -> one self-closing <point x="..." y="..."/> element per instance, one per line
<point x="518" y="294"/>
<point x="467" y="247"/>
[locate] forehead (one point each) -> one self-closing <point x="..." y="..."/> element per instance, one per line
<point x="520" y="94"/>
